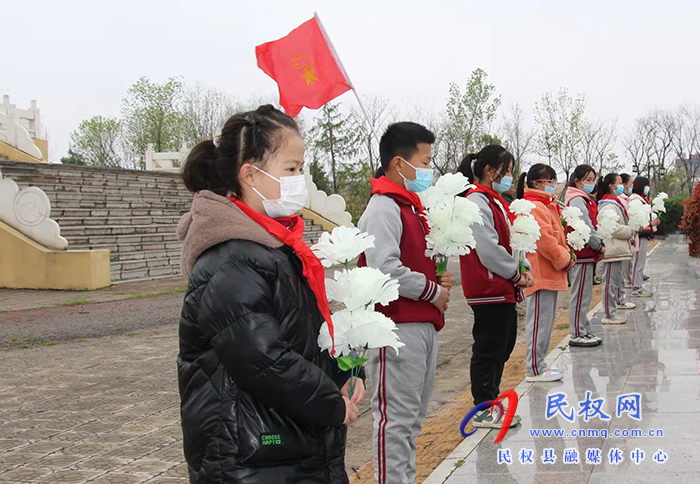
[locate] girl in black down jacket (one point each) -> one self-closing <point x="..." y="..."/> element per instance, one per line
<point x="260" y="402"/>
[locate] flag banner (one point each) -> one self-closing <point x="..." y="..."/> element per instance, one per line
<point x="304" y="67"/>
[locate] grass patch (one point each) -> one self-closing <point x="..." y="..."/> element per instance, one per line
<point x="81" y="340"/>
<point x="77" y="302"/>
<point x="459" y="463"/>
<point x="117" y="328"/>
<point x="652" y="310"/>
<point x="521" y="313"/>
<point x="561" y="326"/>
<point x="24" y="347"/>
<point x="132" y="334"/>
<point x="458" y="283"/>
<point x="156" y="294"/>
<point x="50" y="343"/>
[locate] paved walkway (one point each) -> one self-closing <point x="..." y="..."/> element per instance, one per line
<point x="657" y="355"/>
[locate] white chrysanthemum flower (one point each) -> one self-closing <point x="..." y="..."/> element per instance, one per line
<point x="607" y="223"/>
<point x="581" y="233"/>
<point x="450" y="224"/>
<point x="525" y="232"/>
<point x="521" y="206"/>
<point x="453" y="184"/>
<point x="369" y="329"/>
<point x="640" y="214"/>
<point x="658" y="204"/>
<point x="362" y="288"/>
<point x="342" y="245"/>
<point x="341" y="327"/>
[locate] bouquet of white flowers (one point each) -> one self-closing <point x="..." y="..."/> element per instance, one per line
<point x="581" y="233"/>
<point x="357" y="327"/>
<point x="607" y="223"/>
<point x="658" y="204"/>
<point x="525" y="231"/>
<point x="450" y="218"/>
<point x="640" y="215"/>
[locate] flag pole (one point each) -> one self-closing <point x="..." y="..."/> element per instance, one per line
<point x="345" y="73"/>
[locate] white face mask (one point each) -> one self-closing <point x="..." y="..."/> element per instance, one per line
<point x="293" y="196"/>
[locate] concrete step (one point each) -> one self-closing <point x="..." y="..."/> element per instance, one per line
<point x="120" y="210"/>
<point x="131" y="251"/>
<point x="117" y="219"/>
<point x="69" y="231"/>
<point x="154" y="268"/>
<point x="123" y="243"/>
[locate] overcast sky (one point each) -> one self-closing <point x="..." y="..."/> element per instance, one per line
<point x="77" y="58"/>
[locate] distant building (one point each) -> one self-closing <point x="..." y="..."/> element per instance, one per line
<point x="692" y="164"/>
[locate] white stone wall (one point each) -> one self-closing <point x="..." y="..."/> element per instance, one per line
<point x="19" y="127"/>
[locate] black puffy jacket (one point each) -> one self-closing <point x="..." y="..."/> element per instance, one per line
<point x="260" y="402"/>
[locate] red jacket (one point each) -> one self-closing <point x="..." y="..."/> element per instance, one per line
<point x="587" y="255"/>
<point x="413" y="247"/>
<point x="481" y="286"/>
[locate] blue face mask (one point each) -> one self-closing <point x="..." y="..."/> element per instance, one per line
<point x="549" y="189"/>
<point x="504" y="185"/>
<point x="646" y="191"/>
<point x="619" y="190"/>
<point x="588" y="189"/>
<point x="628" y="191"/>
<point x="424" y="178"/>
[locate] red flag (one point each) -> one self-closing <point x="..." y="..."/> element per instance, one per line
<point x="304" y="68"/>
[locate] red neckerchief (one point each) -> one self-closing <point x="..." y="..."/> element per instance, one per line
<point x="607" y="196"/>
<point x="384" y="186"/>
<point x="494" y="194"/>
<point x="290" y="231"/>
<point x="536" y="197"/>
<point x="646" y="199"/>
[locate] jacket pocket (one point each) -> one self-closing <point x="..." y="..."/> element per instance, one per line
<point x="266" y="438"/>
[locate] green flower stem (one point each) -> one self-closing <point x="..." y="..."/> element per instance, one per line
<point x="441" y="264"/>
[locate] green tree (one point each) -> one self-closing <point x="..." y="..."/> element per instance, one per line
<point x="468" y="118"/>
<point x="333" y="140"/>
<point x="96" y="142"/>
<point x="151" y="113"/>
<point x="73" y="158"/>
<point x="319" y="175"/>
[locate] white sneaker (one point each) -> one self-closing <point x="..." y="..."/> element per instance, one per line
<point x="583" y="341"/>
<point x="627" y="305"/>
<point x="595" y="338"/>
<point x="642" y="293"/>
<point x="548" y="376"/>
<point x="616" y="320"/>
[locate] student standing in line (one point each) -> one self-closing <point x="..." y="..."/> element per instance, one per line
<point x="550" y="265"/>
<point x="260" y="402"/>
<point x="581" y="185"/>
<point x="403" y="382"/>
<point x="618" y="248"/>
<point x="491" y="277"/>
<point x="641" y="193"/>
<point x="622" y="302"/>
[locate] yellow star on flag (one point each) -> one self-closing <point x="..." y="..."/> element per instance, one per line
<point x="309" y="75"/>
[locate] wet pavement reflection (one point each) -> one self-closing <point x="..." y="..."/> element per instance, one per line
<point x="657" y="355"/>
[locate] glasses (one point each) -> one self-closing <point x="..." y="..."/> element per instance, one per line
<point x="551" y="183"/>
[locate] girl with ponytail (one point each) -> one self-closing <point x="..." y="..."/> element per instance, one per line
<point x="581" y="185"/>
<point x="550" y="265"/>
<point x="492" y="278"/>
<point x="618" y="247"/>
<point x="260" y="403"/>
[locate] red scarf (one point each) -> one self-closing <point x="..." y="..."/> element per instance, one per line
<point x="616" y="200"/>
<point x="384" y="186"/>
<point x="536" y="197"/>
<point x="490" y="191"/>
<point x="290" y="231"/>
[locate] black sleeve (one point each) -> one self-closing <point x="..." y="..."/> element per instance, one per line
<point x="238" y="320"/>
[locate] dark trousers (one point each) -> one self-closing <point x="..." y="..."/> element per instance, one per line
<point x="495" y="330"/>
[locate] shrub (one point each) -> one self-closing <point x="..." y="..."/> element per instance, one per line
<point x="691" y="221"/>
<point x="671" y="220"/>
